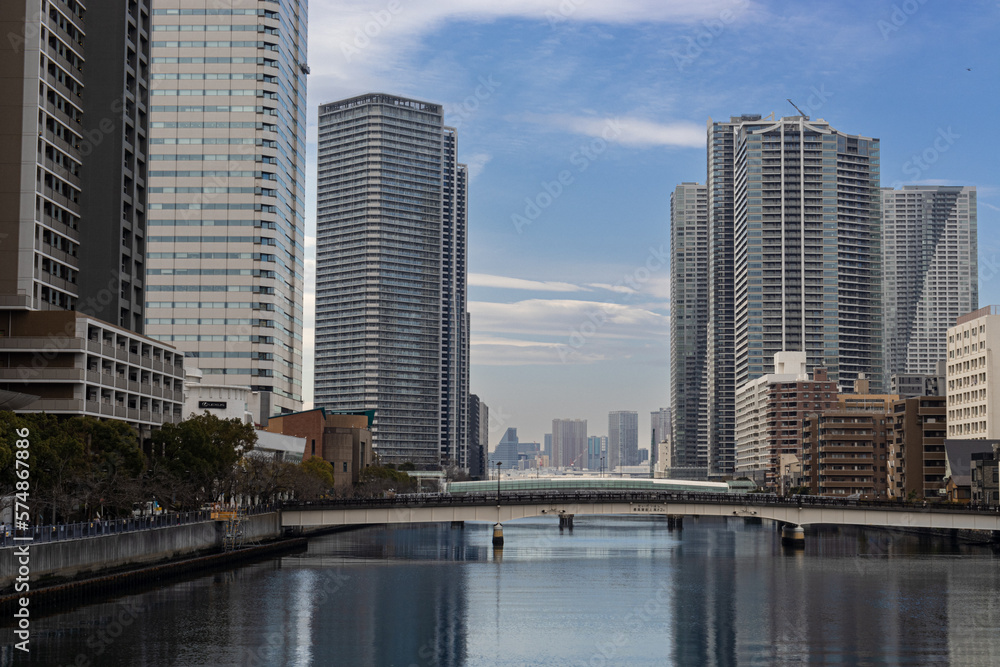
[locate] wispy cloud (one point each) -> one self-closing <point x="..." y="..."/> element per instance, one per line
<point x="626" y="130"/>
<point x="504" y="282"/>
<point x="476" y="163"/>
<point x="558" y="318"/>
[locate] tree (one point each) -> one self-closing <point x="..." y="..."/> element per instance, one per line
<point x="199" y="457"/>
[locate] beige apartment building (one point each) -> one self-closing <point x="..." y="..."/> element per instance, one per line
<point x="972" y="373"/>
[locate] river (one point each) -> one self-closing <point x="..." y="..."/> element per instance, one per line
<point x="611" y="591"/>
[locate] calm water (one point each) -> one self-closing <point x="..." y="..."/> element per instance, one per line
<point x="613" y="591"/>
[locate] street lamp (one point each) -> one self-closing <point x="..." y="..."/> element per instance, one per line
<point x="499" y="463"/>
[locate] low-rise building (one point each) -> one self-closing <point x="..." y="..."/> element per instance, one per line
<point x="225" y="401"/>
<point x="69" y="363"/>
<point x="916" y="456"/>
<point x="958" y="466"/>
<point x="769" y="414"/>
<point x="985" y="486"/>
<point x="345" y="440"/>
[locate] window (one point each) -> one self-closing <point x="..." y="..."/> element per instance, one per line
<point x="345" y="466"/>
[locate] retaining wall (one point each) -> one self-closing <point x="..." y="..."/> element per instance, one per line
<point x="94" y="556"/>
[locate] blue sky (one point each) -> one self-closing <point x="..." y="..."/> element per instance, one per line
<point x="578" y="118"/>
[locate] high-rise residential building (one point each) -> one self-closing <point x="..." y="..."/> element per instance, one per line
<point x="392" y="328"/>
<point x="569" y="443"/>
<point x="74" y="190"/>
<point x="623" y="438"/>
<point x="930" y="272"/>
<point x="660" y="430"/>
<point x="479" y="436"/>
<point x="689" y="297"/>
<point x="73" y="169"/>
<point x="597" y="452"/>
<point x="973" y="375"/>
<point x="794" y="219"/>
<point x="719" y="354"/>
<point x="227" y="155"/>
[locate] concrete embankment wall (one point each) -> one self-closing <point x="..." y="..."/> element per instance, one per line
<point x="94" y="556"/>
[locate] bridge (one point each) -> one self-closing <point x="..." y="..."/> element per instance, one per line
<point x="796" y="511"/>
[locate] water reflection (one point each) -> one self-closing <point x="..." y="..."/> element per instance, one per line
<point x="612" y="591"/>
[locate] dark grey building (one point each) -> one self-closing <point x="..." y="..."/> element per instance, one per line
<point x="73" y="216"/>
<point x="392" y="326"/>
<point x="479" y="429"/>
<point x="689" y="298"/>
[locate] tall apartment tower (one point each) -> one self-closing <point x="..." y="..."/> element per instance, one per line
<point x="73" y="169"/>
<point x="931" y="272"/>
<point x="569" y="443"/>
<point x="479" y="436"/>
<point x="803" y="205"/>
<point x="623" y="438"/>
<point x="392" y="327"/>
<point x="689" y="297"/>
<point x="719" y="357"/>
<point x="227" y="191"/>
<point x="74" y="187"/>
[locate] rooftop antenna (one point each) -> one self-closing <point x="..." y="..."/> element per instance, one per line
<point x="801" y="113"/>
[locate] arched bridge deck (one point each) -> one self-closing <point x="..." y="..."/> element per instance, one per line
<point x="802" y="511"/>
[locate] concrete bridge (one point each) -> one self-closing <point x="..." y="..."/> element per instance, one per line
<point x="797" y="511"/>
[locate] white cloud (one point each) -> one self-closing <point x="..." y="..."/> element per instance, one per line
<point x="362" y="46"/>
<point x="504" y="282"/>
<point x="626" y="130"/>
<point x="476" y="163"/>
<point x="562" y="319"/>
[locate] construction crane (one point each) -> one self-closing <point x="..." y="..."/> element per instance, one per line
<point x="801" y="112"/>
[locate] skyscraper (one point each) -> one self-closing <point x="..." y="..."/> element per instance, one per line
<point x="73" y="168"/>
<point x="660" y="430"/>
<point x="569" y="443"/>
<point x="479" y="436"/>
<point x="690" y="281"/>
<point x="623" y="438"/>
<point x="227" y="191"/>
<point x="931" y="272"/>
<point x="719" y="355"/>
<point x="795" y="220"/>
<point x="77" y="181"/>
<point x="391" y="318"/>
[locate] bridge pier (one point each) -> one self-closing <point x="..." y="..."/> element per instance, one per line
<point x="566" y="521"/>
<point x="675" y="521"/>
<point x="793" y="536"/>
<point x="498" y="534"/>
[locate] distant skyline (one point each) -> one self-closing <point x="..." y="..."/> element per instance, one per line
<point x="577" y="120"/>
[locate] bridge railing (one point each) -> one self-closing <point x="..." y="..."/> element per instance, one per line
<point x="589" y="496"/>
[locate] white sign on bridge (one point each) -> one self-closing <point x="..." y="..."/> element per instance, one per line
<point x="649" y="509"/>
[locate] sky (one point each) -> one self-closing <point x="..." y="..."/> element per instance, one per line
<point x="578" y="118"/>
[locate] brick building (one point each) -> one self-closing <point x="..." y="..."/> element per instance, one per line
<point x="344" y="440"/>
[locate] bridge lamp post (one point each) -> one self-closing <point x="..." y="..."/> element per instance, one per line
<point x="499" y="463"/>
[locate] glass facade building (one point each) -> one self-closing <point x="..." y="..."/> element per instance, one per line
<point x="226" y="243"/>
